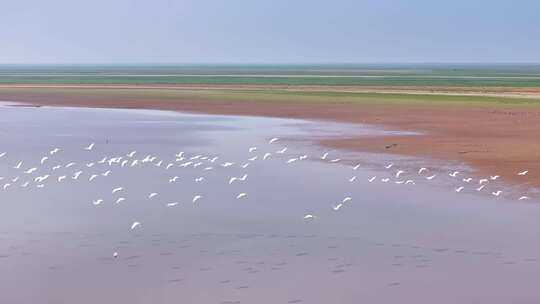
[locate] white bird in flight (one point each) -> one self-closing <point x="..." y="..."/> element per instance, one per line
<point x="337" y="207"/>
<point x="372" y="179"/>
<point x="494" y="177"/>
<point x="196" y="198"/>
<point x="18" y="166"/>
<point x="153" y="194"/>
<point x="310" y="216"/>
<point x="43" y="159"/>
<point x="97" y="202"/>
<point x="431" y="177"/>
<point x="421" y="170"/>
<point x="241" y="195"/>
<point x="172" y="204"/>
<point x="30" y="171"/>
<point x="389" y="166"/>
<point x="90" y="147"/>
<point x="523" y="198"/>
<point x="273" y="140"/>
<point x="282" y="151"/>
<point x="496" y="193"/>
<point x="454" y="174"/>
<point x="135" y="225"/>
<point x="399" y="172"/>
<point x="459" y="189"/>
<point x="325" y="155"/>
<point x="523" y="173"/>
<point x="252" y="149"/>
<point x="119" y="200"/>
<point x="352" y="179"/>
<point x="117" y="189"/>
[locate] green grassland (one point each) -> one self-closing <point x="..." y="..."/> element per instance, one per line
<point x="320" y="75"/>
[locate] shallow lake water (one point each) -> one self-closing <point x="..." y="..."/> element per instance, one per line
<point x="407" y="238"/>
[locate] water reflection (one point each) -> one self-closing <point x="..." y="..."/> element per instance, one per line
<point x="420" y="242"/>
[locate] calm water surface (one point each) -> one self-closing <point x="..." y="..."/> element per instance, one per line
<point x="414" y="243"/>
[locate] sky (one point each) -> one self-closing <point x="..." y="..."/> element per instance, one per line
<point x="269" y="31"/>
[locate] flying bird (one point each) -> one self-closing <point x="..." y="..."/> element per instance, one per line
<point x="523" y="198"/>
<point x="18" y="166"/>
<point x="90" y="147"/>
<point x="496" y="193"/>
<point x="30" y="171"/>
<point x="135" y="225"/>
<point x="273" y="140"/>
<point x="119" y="200"/>
<point x="431" y="177"/>
<point x="421" y="170"/>
<point x="389" y="166"/>
<point x="454" y="174"/>
<point x="282" y="151"/>
<point x="196" y="198"/>
<point x="97" y="202"/>
<point x="172" y="204"/>
<point x="372" y="179"/>
<point x="53" y="151"/>
<point x="494" y="177"/>
<point x="399" y="172"/>
<point x="117" y="189"/>
<point x="241" y="195"/>
<point x="153" y="194"/>
<point x="337" y="207"/>
<point x="459" y="189"/>
<point x="252" y="149"/>
<point x="523" y="173"/>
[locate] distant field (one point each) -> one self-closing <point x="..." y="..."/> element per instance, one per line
<point x="321" y="75"/>
<point x="120" y="95"/>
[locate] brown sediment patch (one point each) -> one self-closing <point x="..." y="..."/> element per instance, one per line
<point x="492" y="139"/>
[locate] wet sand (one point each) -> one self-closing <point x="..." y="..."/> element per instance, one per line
<point x="496" y="140"/>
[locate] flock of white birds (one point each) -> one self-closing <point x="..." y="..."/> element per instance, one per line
<point x="28" y="177"/>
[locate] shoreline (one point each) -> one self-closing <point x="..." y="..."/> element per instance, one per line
<point x="493" y="139"/>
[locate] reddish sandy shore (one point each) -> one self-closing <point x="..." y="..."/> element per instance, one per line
<point x="492" y="139"/>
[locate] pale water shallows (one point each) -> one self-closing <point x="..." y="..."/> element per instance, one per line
<point x="407" y="238"/>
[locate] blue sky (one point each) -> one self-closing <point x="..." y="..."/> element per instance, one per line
<point x="276" y="31"/>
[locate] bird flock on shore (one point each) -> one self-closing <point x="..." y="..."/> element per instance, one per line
<point x="41" y="173"/>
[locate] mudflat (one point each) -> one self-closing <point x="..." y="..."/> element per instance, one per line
<point x="495" y="133"/>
